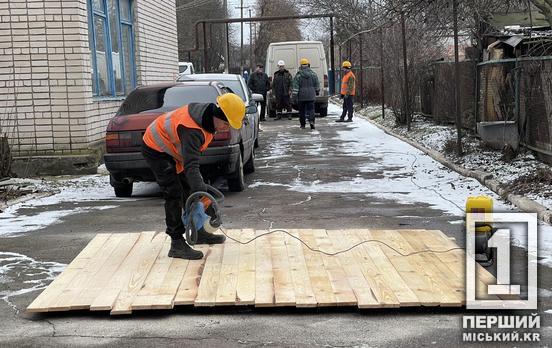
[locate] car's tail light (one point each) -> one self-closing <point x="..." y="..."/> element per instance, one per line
<point x="115" y="141"/>
<point x="326" y="82"/>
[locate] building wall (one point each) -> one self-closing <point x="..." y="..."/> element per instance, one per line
<point x="46" y="102"/>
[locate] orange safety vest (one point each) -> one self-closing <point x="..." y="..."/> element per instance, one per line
<point x="162" y="134"/>
<point x="345" y="83"/>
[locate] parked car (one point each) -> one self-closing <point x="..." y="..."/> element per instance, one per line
<point x="237" y="84"/>
<point x="231" y="154"/>
<point x="186" y="68"/>
<point x="291" y="52"/>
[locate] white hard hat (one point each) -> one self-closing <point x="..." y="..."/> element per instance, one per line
<point x="281" y="63"/>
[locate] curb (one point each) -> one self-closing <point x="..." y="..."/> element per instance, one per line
<point x="23" y="199"/>
<point x="525" y="204"/>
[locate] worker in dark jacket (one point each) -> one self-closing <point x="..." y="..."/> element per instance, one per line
<point x="172" y="146"/>
<point x="260" y="84"/>
<point x="281" y="87"/>
<point x="305" y="88"/>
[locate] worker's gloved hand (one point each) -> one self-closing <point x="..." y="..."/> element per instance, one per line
<point x="197" y="216"/>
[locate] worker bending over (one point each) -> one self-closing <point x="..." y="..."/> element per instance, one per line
<point x="172" y="146"/>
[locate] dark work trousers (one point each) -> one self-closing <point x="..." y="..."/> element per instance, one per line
<point x="263" y="107"/>
<point x="283" y="103"/>
<point x="306" y="112"/>
<point x="174" y="186"/>
<point x="348" y="107"/>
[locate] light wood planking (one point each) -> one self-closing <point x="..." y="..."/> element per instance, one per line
<point x="284" y="293"/>
<point x="360" y="285"/>
<point x="125" y="272"/>
<point x="264" y="280"/>
<point x="208" y="285"/>
<point x="321" y="285"/>
<point x="226" y="292"/>
<point x="342" y="290"/>
<point x="304" y="294"/>
<point x="391" y="277"/>
<point x="50" y="296"/>
<point x="187" y="291"/>
<point x="245" y="289"/>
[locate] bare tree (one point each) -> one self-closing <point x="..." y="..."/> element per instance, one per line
<point x="275" y="31"/>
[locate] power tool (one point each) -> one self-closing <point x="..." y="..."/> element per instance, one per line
<point x="195" y="213"/>
<point x="482" y="205"/>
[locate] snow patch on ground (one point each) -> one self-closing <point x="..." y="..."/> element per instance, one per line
<point x="39" y="213"/>
<point x="21" y="269"/>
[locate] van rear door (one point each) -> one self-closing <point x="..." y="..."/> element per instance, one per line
<point x="287" y="54"/>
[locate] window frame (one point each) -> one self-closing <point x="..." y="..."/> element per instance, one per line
<point x="111" y="83"/>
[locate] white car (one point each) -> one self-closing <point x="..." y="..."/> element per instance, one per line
<point x="186" y="68"/>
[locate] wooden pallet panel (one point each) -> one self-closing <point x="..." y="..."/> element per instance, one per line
<point x="132" y="271"/>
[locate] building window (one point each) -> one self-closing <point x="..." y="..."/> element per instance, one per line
<point x="112" y="47"/>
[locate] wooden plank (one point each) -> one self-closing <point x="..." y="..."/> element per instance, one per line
<point x="320" y="282"/>
<point x="375" y="276"/>
<point x="264" y="279"/>
<point x="415" y="277"/>
<point x="121" y="271"/>
<point x="304" y="294"/>
<point x="342" y="290"/>
<point x="70" y="298"/>
<point x="441" y="277"/>
<point x="162" y="283"/>
<point x="391" y="276"/>
<point x="187" y="291"/>
<point x="226" y="292"/>
<point x="208" y="285"/>
<point x="245" y="289"/>
<point x="284" y="294"/>
<point x="360" y="284"/>
<point x="51" y="294"/>
<point x="138" y="274"/>
<point x="455" y="260"/>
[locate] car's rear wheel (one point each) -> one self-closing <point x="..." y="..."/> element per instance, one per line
<point x="236" y="181"/>
<point x="249" y="167"/>
<point x="257" y="138"/>
<point x="123" y="190"/>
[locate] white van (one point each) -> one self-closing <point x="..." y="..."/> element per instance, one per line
<point x="186" y="68"/>
<point x="291" y="52"/>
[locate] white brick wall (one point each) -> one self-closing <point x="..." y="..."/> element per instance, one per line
<point x="46" y="102"/>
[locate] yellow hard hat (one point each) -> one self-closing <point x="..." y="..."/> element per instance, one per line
<point x="233" y="108"/>
<point x="347" y="64"/>
<point x="304" y="61"/>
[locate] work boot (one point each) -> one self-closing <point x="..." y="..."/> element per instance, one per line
<point x="181" y="250"/>
<point x="349" y="120"/>
<point x="302" y="126"/>
<point x="340" y="120"/>
<point x="289" y="117"/>
<point x="279" y="117"/>
<point x="312" y="125"/>
<point x="204" y="237"/>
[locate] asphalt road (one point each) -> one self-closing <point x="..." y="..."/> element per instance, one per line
<point x="341" y="176"/>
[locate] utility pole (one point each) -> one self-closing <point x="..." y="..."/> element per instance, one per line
<point x="250" y="42"/>
<point x="457" y="80"/>
<point x="241" y="8"/>
<point x="226" y="42"/>
<point x="382" y="62"/>
<point x="405" y="63"/>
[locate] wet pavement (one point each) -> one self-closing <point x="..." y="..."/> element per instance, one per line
<point x="339" y="176"/>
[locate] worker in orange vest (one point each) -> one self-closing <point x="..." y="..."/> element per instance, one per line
<point x="172" y="146"/>
<point x="348" y="91"/>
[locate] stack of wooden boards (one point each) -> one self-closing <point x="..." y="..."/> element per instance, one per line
<point x="131" y="271"/>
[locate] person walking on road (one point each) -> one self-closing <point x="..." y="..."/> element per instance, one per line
<point x="172" y="146"/>
<point x="348" y="91"/>
<point x="260" y="84"/>
<point x="305" y="88"/>
<point x="281" y="87"/>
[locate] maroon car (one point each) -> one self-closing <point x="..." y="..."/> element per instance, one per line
<point x="231" y="154"/>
